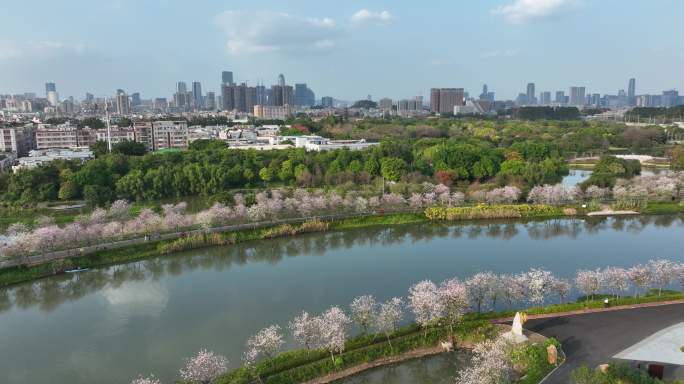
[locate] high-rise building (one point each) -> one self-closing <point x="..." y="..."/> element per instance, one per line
<point x="227" y="77"/>
<point x="669" y="98"/>
<point x="303" y="95"/>
<point x="281" y="80"/>
<point x="123" y="104"/>
<point x="181" y="87"/>
<point x="261" y="95"/>
<point x="169" y="134"/>
<point x="486" y="95"/>
<point x="631" y="92"/>
<point x="449" y="98"/>
<point x="531" y="94"/>
<point x="227" y="99"/>
<point x="197" y="94"/>
<point x="577" y="96"/>
<point x="327" y="101"/>
<point x="210" y="101"/>
<point x="434" y="100"/>
<point x="50" y="87"/>
<point x="135" y="99"/>
<point x="545" y="98"/>
<point x="560" y="97"/>
<point x="53" y="98"/>
<point x="595" y="100"/>
<point x="385" y="104"/>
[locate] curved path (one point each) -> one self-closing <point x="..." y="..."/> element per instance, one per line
<point x="594" y="338"/>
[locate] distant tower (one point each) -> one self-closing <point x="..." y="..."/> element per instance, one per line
<point x="227" y="77"/>
<point x="281" y="80"/>
<point x="181" y="87"/>
<point x="531" y="94"/>
<point x="50" y="87"/>
<point x="631" y="92"/>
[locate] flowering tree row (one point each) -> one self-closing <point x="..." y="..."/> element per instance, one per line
<point x="666" y="186"/>
<point x="116" y="222"/>
<point x="429" y="303"/>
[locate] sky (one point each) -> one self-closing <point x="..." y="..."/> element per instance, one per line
<point x="346" y="49"/>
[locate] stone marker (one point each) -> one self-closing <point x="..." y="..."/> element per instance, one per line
<point x="552" y="354"/>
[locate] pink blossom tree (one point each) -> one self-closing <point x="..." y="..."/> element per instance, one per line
<point x="514" y="288"/>
<point x="491" y="363"/>
<point x="363" y="310"/>
<point x="390" y="314"/>
<point x="662" y="273"/>
<point x="539" y="283"/>
<point x="616" y="280"/>
<point x="453" y="296"/>
<point x="640" y="276"/>
<point x="333" y="331"/>
<point x="561" y="287"/>
<point x="424" y="301"/>
<point x="265" y="344"/>
<point x="479" y="287"/>
<point x="204" y="367"/>
<point x="589" y="282"/>
<point x="305" y="329"/>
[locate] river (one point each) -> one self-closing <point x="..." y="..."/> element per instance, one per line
<point x="111" y="324"/>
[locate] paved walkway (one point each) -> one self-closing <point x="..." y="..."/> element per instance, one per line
<point x="594" y="338"/>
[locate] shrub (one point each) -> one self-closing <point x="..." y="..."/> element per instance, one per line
<point x="490" y="212"/>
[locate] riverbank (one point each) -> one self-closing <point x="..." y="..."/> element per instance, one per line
<point x="437" y="215"/>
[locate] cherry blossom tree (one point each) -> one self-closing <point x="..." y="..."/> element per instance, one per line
<point x="453" y="296"/>
<point x="204" y="367"/>
<point x="390" y="314"/>
<point x="146" y="380"/>
<point x="561" y="287"/>
<point x="119" y="210"/>
<point x="333" y="331"/>
<point x="538" y="285"/>
<point x="305" y="329"/>
<point x="479" y="287"/>
<point x="616" y="280"/>
<point x="589" y="282"/>
<point x="265" y="344"/>
<point x="491" y="363"/>
<point x="640" y="276"/>
<point x="662" y="273"/>
<point x="514" y="288"/>
<point x="363" y="311"/>
<point x="424" y="301"/>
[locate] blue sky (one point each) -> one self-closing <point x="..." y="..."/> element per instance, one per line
<point x="347" y="49"/>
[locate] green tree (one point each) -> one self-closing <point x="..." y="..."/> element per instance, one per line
<point x="392" y="168"/>
<point x="265" y="174"/>
<point x="129" y="148"/>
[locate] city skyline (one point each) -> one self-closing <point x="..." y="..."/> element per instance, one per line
<point x="384" y="49"/>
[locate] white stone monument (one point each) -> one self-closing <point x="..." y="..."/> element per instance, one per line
<point x="516" y="334"/>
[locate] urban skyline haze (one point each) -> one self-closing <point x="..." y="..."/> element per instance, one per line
<point x="347" y="50"/>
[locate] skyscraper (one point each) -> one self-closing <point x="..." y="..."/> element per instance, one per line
<point x="210" y="101"/>
<point x="327" y="101"/>
<point x="281" y="80"/>
<point x="197" y="94"/>
<point x="135" y="99"/>
<point x="545" y="98"/>
<point x="434" y="100"/>
<point x="531" y="94"/>
<point x="181" y="87"/>
<point x="577" y="97"/>
<point x="227" y="77"/>
<point x="50" y="87"/>
<point x="631" y="92"/>
<point x="123" y="104"/>
<point x="560" y="97"/>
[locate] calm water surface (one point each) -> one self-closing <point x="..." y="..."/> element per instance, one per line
<point x="111" y="324"/>
<point x="440" y="369"/>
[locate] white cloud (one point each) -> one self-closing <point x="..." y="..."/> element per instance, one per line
<point x="366" y="16"/>
<point x="254" y="32"/>
<point x="12" y="50"/>
<point x="521" y="11"/>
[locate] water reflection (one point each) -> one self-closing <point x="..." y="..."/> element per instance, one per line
<point x="132" y="285"/>
<point x="440" y="369"/>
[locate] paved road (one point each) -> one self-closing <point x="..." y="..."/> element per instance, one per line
<point x="592" y="339"/>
